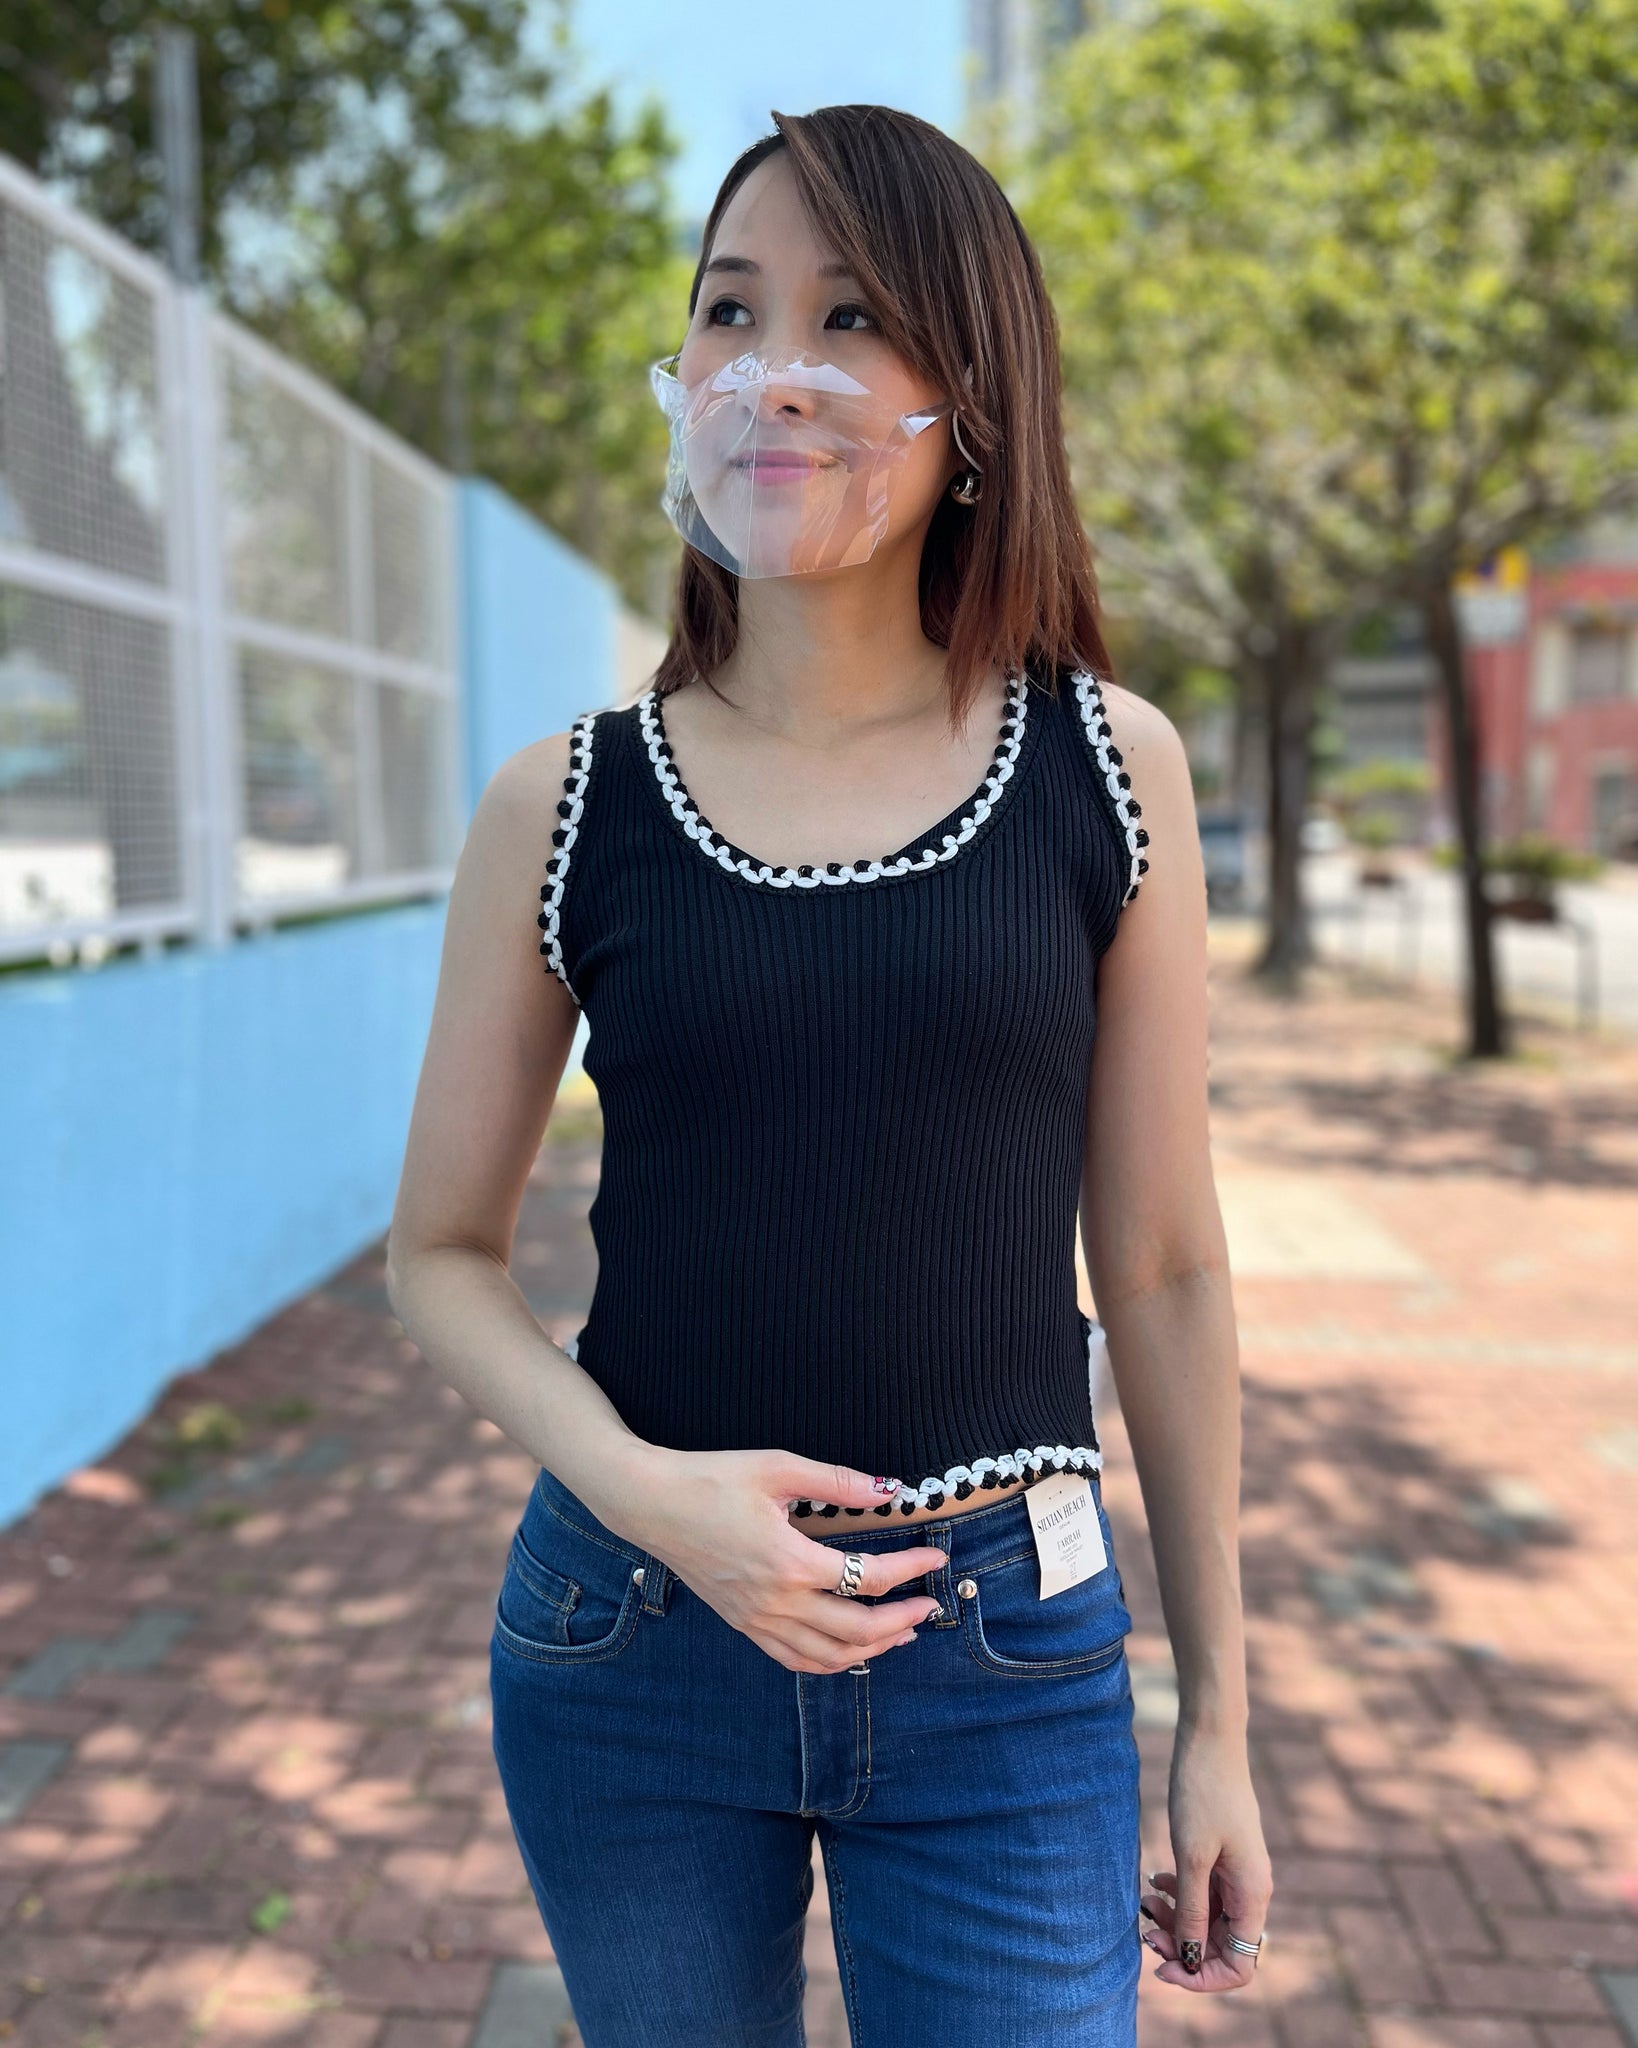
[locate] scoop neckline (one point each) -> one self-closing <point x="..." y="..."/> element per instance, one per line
<point x="937" y="845"/>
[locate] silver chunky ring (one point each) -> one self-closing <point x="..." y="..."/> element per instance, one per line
<point x="1245" y="1948"/>
<point x="852" y="1575"/>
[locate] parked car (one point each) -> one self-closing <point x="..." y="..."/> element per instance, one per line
<point x="1223" y="852"/>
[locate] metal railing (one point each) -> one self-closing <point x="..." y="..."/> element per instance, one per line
<point x="227" y="669"/>
<point x="1399" y="908"/>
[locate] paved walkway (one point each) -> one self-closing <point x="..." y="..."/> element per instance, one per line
<point x="244" y="1744"/>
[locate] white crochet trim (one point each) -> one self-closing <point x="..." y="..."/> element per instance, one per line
<point x="1127" y="809"/>
<point x="1008" y="1470"/>
<point x="806" y="876"/>
<point x="981" y="1474"/>
<point x="570" y="806"/>
<point x="986" y="1473"/>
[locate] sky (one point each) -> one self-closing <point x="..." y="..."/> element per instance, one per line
<point x="718" y="66"/>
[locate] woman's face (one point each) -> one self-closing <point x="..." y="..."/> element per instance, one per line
<point x="795" y="452"/>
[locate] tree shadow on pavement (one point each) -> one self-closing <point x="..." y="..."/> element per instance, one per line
<point x="1444" y="1734"/>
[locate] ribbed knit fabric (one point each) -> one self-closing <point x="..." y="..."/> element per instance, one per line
<point x="844" y="1118"/>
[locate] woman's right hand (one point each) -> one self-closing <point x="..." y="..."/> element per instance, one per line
<point x="720" y="1520"/>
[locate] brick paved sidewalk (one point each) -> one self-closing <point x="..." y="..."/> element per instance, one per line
<point x="1437" y="1294"/>
<point x="244" y="1742"/>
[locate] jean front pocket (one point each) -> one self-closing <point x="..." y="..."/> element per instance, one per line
<point x="567" y="1596"/>
<point x="1010" y="1628"/>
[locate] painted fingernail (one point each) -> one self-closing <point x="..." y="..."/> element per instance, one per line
<point x="884" y="1485"/>
<point x="1189" y="1952"/>
<point x="1143" y="1909"/>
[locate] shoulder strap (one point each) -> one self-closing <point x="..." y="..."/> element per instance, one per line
<point x="569" y="808"/>
<point x="1101" y="737"/>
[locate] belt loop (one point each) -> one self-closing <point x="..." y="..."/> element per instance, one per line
<point x="939" y="1583"/>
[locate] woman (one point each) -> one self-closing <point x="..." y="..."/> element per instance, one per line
<point x="853" y="1101"/>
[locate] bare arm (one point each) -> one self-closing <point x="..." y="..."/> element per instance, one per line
<point x="1158" y="1262"/>
<point x="501" y="1031"/>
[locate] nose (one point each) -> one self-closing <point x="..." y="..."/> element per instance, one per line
<point x="782" y="393"/>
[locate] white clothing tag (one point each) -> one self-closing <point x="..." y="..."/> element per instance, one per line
<point x="1068" y="1536"/>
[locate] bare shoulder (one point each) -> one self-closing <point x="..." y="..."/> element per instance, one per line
<point x="1151" y="749"/>
<point x="524" y="791"/>
<point x="1141" y="727"/>
<point x="509" y="836"/>
<point x="536" y="771"/>
<point x="1154" y="767"/>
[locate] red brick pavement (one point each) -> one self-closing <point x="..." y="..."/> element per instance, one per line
<point x="281" y="1824"/>
<point x="1444" y="1676"/>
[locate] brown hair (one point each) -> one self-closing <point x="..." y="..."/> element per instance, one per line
<point x="952" y="279"/>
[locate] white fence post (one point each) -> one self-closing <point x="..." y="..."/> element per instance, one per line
<point x="213" y="702"/>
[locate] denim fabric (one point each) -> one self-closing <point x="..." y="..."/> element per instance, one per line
<point x="975" y="1796"/>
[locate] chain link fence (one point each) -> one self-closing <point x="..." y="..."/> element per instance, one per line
<point x="227" y="671"/>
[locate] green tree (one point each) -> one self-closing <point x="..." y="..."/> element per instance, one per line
<point x="1165" y="211"/>
<point x="412" y="197"/>
<point x="1350" y="304"/>
<point x="281" y="85"/>
<point x="506" y="324"/>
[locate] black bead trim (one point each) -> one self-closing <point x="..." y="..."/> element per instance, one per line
<point x="569" y="808"/>
<point x="1100" y="733"/>
<point x="835" y="874"/>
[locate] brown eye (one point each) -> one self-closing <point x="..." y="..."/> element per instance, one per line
<point x="850" y="310"/>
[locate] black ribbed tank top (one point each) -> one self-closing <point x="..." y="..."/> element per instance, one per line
<point x="844" y="1107"/>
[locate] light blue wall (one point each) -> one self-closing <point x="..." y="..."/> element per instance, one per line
<point x="537" y="631"/>
<point x="538" y="643"/>
<point x="191" y="1141"/>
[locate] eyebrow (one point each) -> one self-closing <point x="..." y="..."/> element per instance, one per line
<point x="744" y="266"/>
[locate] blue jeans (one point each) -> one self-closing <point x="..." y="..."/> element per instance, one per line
<point x="975" y="1795"/>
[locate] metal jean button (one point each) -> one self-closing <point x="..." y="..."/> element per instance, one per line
<point x="967" y="1588"/>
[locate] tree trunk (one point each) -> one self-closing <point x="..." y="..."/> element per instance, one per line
<point x="1289" y="666"/>
<point x="1487" y="1024"/>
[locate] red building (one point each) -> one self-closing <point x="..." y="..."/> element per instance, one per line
<point x="1556" y="705"/>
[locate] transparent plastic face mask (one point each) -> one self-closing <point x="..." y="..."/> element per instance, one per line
<point x="783" y="465"/>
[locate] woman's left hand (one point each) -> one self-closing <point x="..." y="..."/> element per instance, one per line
<point x="1223" y="1881"/>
